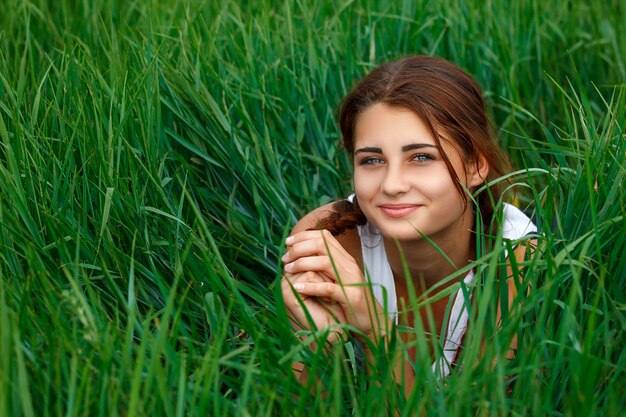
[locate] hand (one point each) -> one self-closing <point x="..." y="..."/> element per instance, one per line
<point x="303" y="309"/>
<point x="330" y="284"/>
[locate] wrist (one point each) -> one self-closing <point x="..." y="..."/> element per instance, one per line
<point x="377" y="337"/>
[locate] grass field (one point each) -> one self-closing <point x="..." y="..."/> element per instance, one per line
<point x="155" y="154"/>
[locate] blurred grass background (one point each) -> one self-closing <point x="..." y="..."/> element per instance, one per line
<point x="154" y="154"/>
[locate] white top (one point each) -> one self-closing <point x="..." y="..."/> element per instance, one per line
<point x="378" y="272"/>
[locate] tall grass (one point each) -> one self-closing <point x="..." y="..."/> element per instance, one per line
<point x="154" y="155"/>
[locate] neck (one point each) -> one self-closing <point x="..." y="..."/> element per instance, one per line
<point x="426" y="263"/>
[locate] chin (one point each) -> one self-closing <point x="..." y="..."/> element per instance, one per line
<point x="405" y="233"/>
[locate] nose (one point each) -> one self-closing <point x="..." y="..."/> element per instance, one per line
<point x="395" y="181"/>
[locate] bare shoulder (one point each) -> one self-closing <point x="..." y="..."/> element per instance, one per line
<point x="349" y="239"/>
<point x="523" y="247"/>
<point x="312" y="218"/>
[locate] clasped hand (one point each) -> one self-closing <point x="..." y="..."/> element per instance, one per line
<point x="323" y="278"/>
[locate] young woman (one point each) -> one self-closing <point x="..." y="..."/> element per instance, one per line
<point x="424" y="154"/>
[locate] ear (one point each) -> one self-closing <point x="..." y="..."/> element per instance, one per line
<point x="477" y="171"/>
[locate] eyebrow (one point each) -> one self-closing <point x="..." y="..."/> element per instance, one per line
<point x="405" y="148"/>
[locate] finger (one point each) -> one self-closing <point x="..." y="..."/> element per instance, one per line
<point x="310" y="263"/>
<point x="307" y="276"/>
<point x="309" y="247"/>
<point x="307" y="312"/>
<point x="337" y="270"/>
<point x="323" y="234"/>
<point x="316" y="246"/>
<point x="326" y="290"/>
<point x="315" y="243"/>
<point x="289" y="294"/>
<point x="327" y="268"/>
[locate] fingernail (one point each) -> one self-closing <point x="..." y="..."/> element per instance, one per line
<point x="298" y="286"/>
<point x="289" y="240"/>
<point x="285" y="256"/>
<point x="289" y="267"/>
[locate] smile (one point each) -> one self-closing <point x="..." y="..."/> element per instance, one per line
<point x="398" y="210"/>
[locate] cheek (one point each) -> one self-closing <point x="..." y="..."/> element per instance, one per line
<point x="437" y="183"/>
<point x="363" y="184"/>
<point x="444" y="184"/>
<point x="363" y="195"/>
<point x="448" y="195"/>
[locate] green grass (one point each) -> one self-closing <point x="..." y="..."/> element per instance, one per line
<point x="154" y="154"/>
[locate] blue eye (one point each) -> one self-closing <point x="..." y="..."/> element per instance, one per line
<point x="371" y="161"/>
<point x="422" y="157"/>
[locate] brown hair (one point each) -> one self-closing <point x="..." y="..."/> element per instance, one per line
<point x="447" y="99"/>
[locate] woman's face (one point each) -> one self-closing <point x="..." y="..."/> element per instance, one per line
<point x="401" y="181"/>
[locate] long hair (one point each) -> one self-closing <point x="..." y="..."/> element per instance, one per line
<point x="447" y="100"/>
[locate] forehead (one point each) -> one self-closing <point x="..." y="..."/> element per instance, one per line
<point x="382" y="126"/>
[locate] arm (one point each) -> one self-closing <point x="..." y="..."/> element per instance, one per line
<point x="295" y="303"/>
<point x="517" y="258"/>
<point x="323" y="279"/>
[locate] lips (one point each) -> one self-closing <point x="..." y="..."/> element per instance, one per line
<point x="398" y="210"/>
